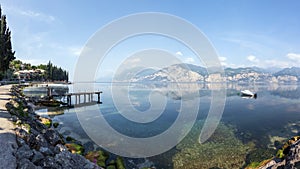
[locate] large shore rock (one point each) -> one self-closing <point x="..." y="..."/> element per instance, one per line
<point x="290" y="161"/>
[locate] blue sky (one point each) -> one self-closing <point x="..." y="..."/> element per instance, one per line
<point x="245" y="33"/>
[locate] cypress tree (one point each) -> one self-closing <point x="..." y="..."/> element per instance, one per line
<point x="6" y="52"/>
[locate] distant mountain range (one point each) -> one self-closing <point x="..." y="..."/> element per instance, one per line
<point x="194" y="73"/>
<point x="294" y="71"/>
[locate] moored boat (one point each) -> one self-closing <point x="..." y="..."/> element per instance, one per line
<point x="50" y="103"/>
<point x="248" y="93"/>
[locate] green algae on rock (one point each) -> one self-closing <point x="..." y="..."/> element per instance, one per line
<point x="55" y="124"/>
<point x="75" y="148"/>
<point x="100" y="157"/>
<point x="281" y="153"/>
<point x="120" y="163"/>
<point x="26" y="127"/>
<point x="70" y="139"/>
<point x="47" y="122"/>
<point x="256" y="165"/>
<point x="256" y="158"/>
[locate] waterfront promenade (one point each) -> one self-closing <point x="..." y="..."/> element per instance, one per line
<point x="8" y="143"/>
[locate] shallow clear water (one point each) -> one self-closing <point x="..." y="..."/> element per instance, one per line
<point x="249" y="127"/>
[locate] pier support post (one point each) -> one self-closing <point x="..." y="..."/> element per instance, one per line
<point x="99" y="101"/>
<point x="69" y="102"/>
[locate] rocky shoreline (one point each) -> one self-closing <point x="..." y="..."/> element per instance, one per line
<point x="41" y="146"/>
<point x="288" y="159"/>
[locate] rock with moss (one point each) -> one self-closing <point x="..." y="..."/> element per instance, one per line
<point x="256" y="165"/>
<point x="99" y="157"/>
<point x="111" y="167"/>
<point x="70" y="139"/>
<point x="46" y="121"/>
<point x="25" y="127"/>
<point x="284" y="150"/>
<point x="55" y="124"/>
<point x="17" y="107"/>
<point x="120" y="163"/>
<point x="253" y="165"/>
<point x="75" y="148"/>
<point x="286" y="157"/>
<point x="258" y="156"/>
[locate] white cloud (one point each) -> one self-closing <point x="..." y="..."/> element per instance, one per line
<point x="178" y="53"/>
<point x="132" y="61"/>
<point x="75" y="50"/>
<point x="223" y="61"/>
<point x="34" y="14"/>
<point x="293" y="56"/>
<point x="30" y="14"/>
<point x="252" y="58"/>
<point x="276" y="63"/>
<point x="293" y="60"/>
<point x="189" y="60"/>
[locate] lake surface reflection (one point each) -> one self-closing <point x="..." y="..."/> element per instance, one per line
<point x="249" y="130"/>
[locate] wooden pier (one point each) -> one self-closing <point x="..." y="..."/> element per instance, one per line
<point x="88" y="97"/>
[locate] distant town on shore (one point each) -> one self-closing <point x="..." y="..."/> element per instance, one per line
<point x="19" y="71"/>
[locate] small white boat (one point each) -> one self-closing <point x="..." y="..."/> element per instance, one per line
<point x="248" y="93"/>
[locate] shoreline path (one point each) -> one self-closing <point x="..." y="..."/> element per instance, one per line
<point x="8" y="144"/>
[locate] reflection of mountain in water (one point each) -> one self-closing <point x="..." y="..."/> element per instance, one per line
<point x="189" y="91"/>
<point x="291" y="92"/>
<point x="174" y="91"/>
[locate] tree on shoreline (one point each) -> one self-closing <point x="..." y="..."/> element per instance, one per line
<point x="6" y="52"/>
<point x="53" y="73"/>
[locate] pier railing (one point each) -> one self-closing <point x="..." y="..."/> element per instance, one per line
<point x="87" y="97"/>
<point x="79" y="98"/>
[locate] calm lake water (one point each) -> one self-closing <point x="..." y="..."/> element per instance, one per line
<point x="249" y="130"/>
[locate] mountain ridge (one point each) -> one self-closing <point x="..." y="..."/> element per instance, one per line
<point x="195" y="73"/>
